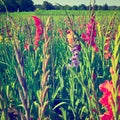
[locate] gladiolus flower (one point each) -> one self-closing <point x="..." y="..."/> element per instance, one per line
<point x="111" y="70"/>
<point x="39" y="30"/>
<point x="107" y="53"/>
<point x="70" y="37"/>
<point x="107" y="100"/>
<point x="74" y="48"/>
<point x="26" y="46"/>
<point x="90" y="34"/>
<point x="75" y="55"/>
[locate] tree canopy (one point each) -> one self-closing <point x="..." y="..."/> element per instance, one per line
<point x="14" y="5"/>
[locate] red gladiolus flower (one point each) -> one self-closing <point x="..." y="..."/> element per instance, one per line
<point x="89" y="36"/>
<point x="26" y="46"/>
<point x="107" y="116"/>
<point x="39" y="30"/>
<point x="107" y="100"/>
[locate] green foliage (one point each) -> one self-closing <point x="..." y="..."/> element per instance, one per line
<point x="73" y="94"/>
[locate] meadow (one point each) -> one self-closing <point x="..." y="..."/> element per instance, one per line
<point x="60" y="65"/>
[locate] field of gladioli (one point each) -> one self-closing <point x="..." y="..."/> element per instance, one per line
<point x="57" y="66"/>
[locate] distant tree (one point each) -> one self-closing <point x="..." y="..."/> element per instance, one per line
<point x="67" y="7"/>
<point x="96" y="7"/>
<point x="118" y="8"/>
<point x="112" y="7"/>
<point x="105" y="7"/>
<point x="26" y="5"/>
<point x="75" y="7"/>
<point x="47" y="5"/>
<point x="82" y="7"/>
<point x="11" y="5"/>
<point x="14" y="5"/>
<point x="100" y="7"/>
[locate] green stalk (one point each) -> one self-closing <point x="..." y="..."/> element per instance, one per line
<point x="115" y="76"/>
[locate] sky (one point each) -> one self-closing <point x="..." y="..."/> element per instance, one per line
<point x="79" y="2"/>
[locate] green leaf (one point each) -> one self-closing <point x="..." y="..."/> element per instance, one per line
<point x="82" y="110"/>
<point x="3" y="116"/>
<point x="64" y="113"/>
<point x="38" y="93"/>
<point x="55" y="93"/>
<point x="7" y="91"/>
<point x="61" y="103"/>
<point x="20" y="105"/>
<point x="36" y="104"/>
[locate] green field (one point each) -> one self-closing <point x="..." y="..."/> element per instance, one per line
<point x="60" y="65"/>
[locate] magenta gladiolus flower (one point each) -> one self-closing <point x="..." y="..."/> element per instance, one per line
<point x="39" y="30"/>
<point x="90" y="34"/>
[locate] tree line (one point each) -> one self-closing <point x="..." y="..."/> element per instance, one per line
<point x="49" y="6"/>
<point x="28" y="5"/>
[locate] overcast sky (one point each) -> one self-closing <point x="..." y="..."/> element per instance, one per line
<point x="79" y="2"/>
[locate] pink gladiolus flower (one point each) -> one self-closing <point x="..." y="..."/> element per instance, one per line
<point x="107" y="100"/>
<point x="39" y="30"/>
<point x="90" y="34"/>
